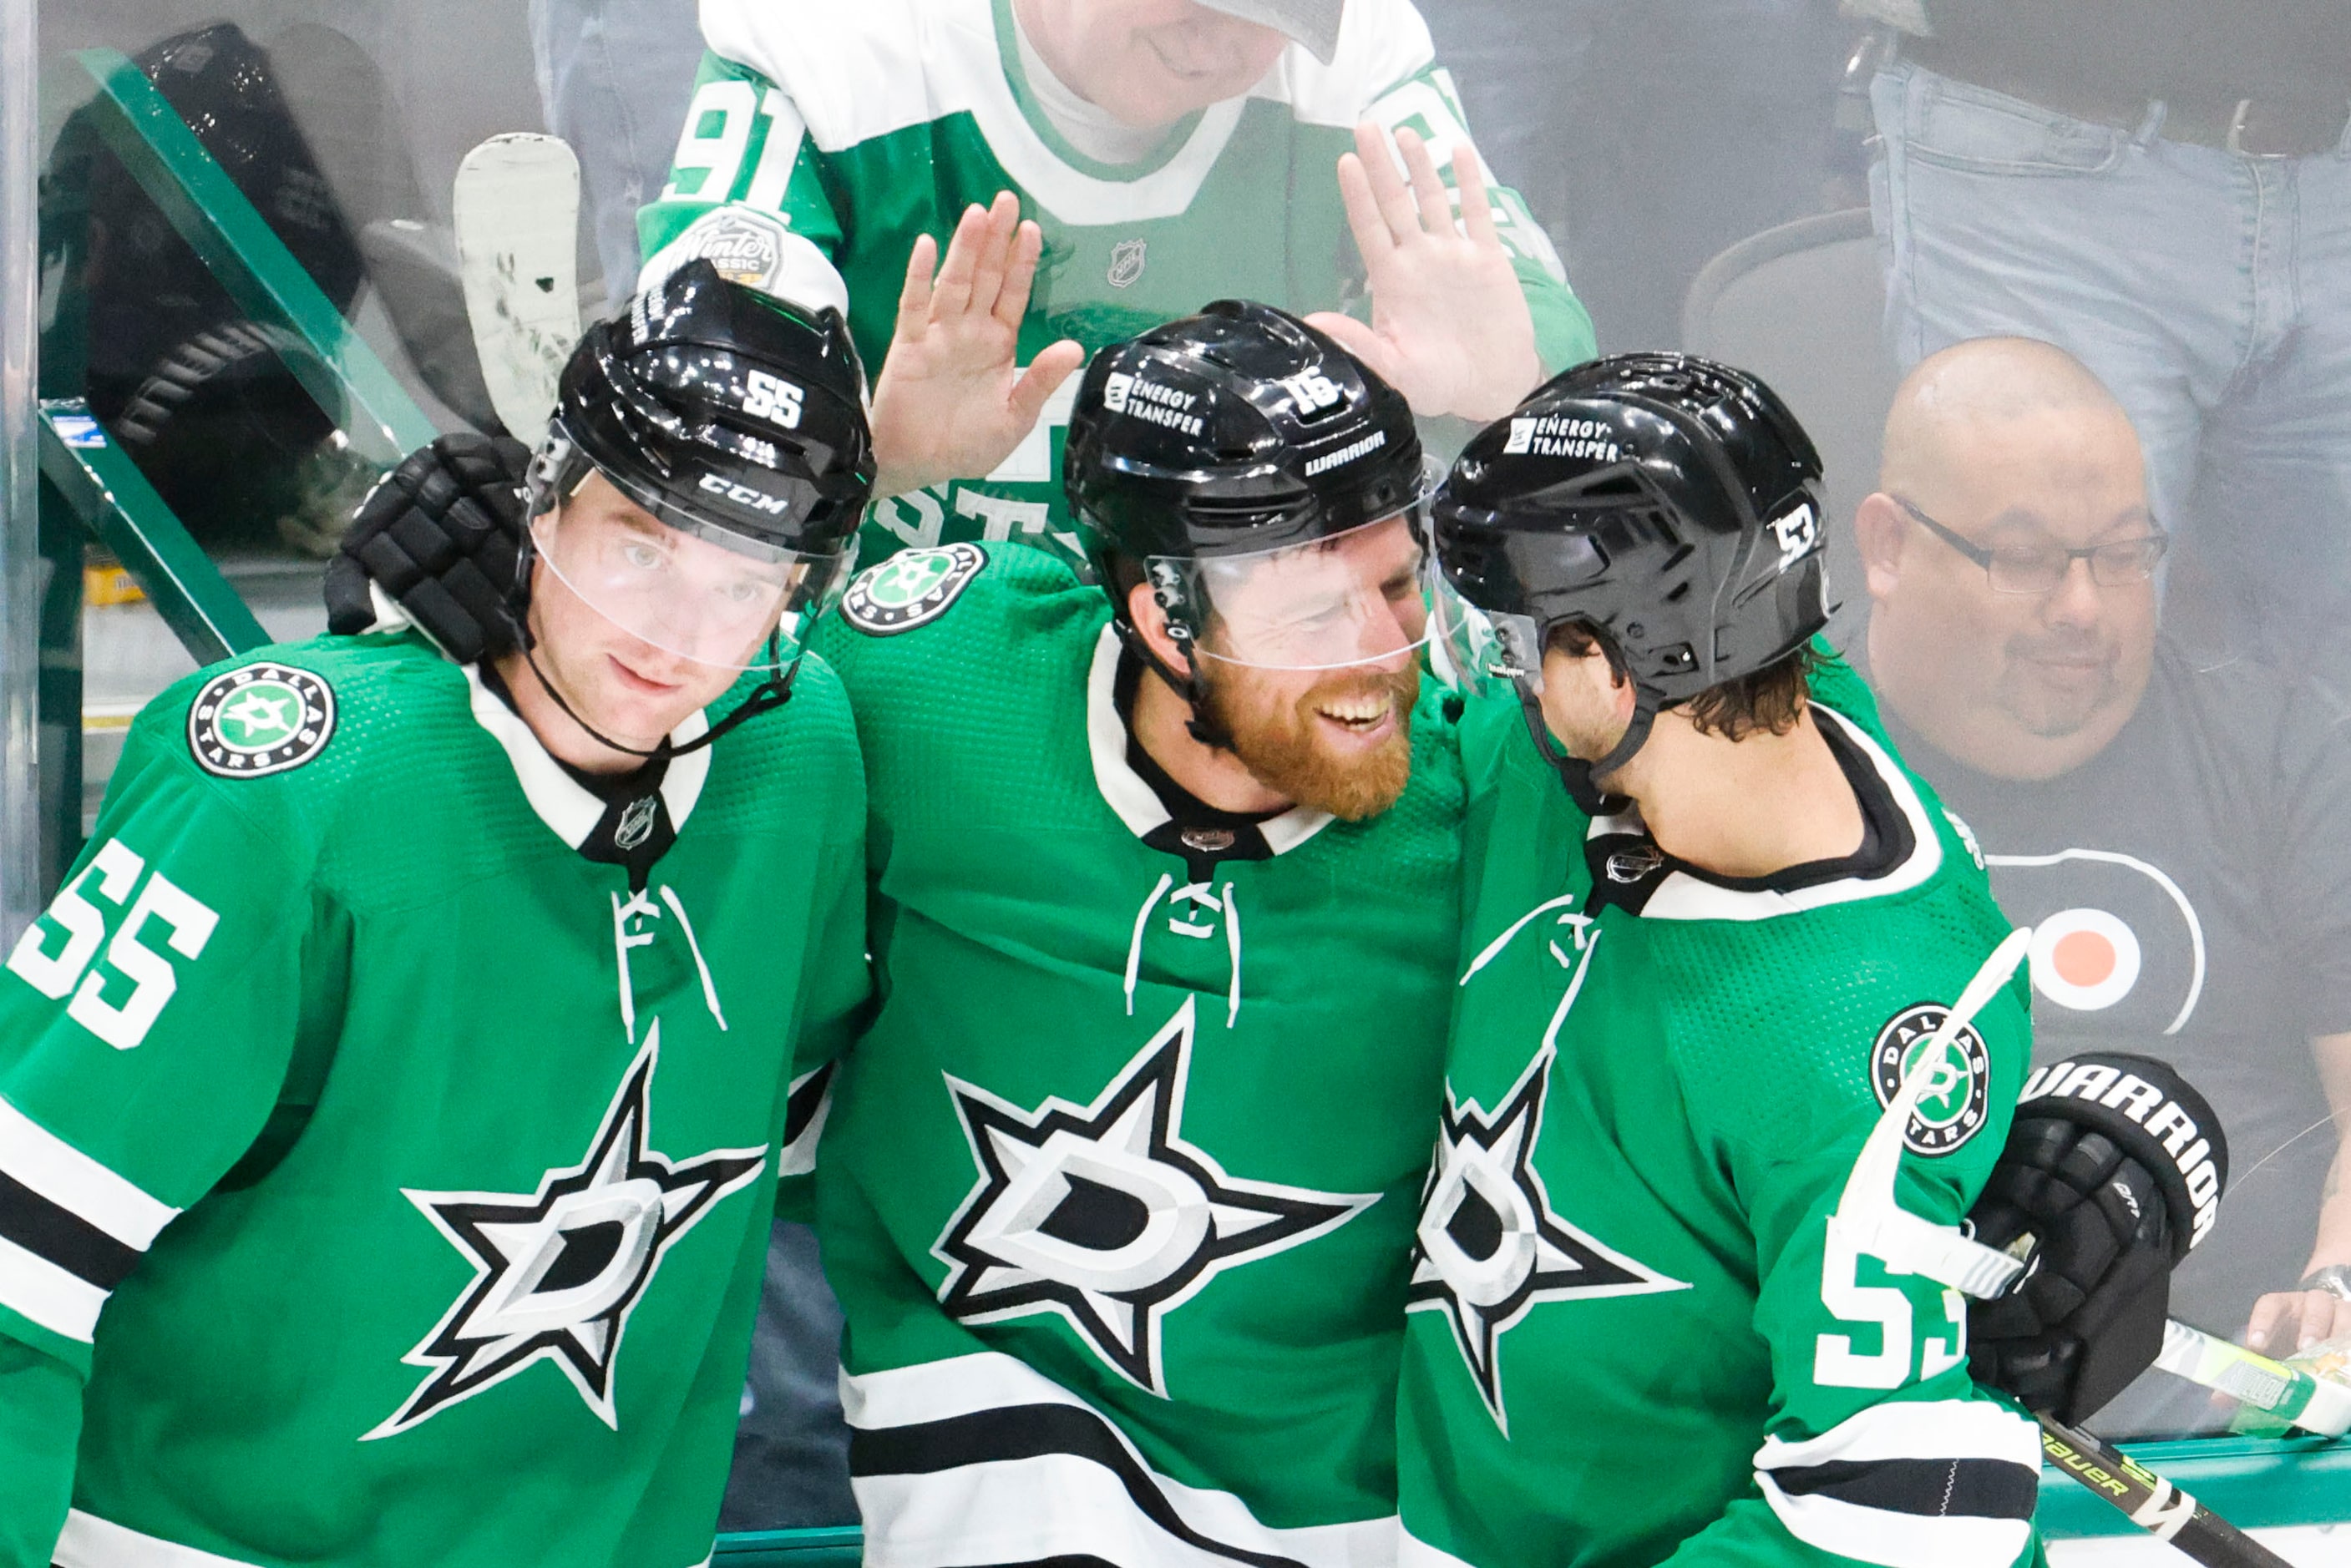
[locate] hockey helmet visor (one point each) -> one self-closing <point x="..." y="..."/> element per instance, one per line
<point x="1329" y="603"/>
<point x="712" y="597"/>
<point x="1485" y="634"/>
<point x="730" y="428"/>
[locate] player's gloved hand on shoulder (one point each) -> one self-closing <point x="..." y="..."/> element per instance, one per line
<point x="441" y="534"/>
<point x="2112" y="1173"/>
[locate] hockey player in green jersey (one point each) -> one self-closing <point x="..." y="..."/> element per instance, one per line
<point x="1165" y="152"/>
<point x="1117" y="1190"/>
<point x="1712" y="923"/>
<point x="392" y="1100"/>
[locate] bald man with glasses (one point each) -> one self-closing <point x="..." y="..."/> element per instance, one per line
<point x="2176" y="827"/>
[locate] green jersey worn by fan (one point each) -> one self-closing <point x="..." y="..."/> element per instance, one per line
<point x="1646" y="1319"/>
<point x="1168" y="152"/>
<point x="391" y="1102"/>
<point x="1117" y="1192"/>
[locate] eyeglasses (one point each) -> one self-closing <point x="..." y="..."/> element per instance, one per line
<point x="2037" y="568"/>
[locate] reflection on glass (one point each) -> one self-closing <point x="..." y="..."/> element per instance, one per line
<point x="2149" y="748"/>
<point x="2169" y="823"/>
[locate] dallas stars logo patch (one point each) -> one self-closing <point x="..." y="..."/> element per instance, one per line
<point x="910" y="589"/>
<point x="556" y="1272"/>
<point x="1957" y="1096"/>
<point x="1488" y="1247"/>
<point x="262" y="718"/>
<point x="1105" y="1215"/>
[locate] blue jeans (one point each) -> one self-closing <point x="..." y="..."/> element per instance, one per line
<point x="2211" y="291"/>
<point x="791" y="1448"/>
<point x="1647" y="138"/>
<point x="614" y="79"/>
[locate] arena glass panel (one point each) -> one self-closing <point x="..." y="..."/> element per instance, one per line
<point x="2148" y="216"/>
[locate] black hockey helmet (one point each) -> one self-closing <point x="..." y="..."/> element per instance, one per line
<point x="1231" y="434"/>
<point x="724" y="412"/>
<point x="1669" y="503"/>
<point x="737" y="419"/>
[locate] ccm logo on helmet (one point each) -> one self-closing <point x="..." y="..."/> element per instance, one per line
<point x="772" y="398"/>
<point x="2153" y="1110"/>
<point x="744" y="495"/>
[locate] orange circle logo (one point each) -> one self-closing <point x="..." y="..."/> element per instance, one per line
<point x="2084" y="960"/>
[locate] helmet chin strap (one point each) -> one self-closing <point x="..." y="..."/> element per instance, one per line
<point x="1577" y="775"/>
<point x="769" y="694"/>
<point x="1189" y="687"/>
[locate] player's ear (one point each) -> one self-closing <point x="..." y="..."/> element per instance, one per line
<point x="1151" y="621"/>
<point x="1878" y="528"/>
<point x="1622" y="692"/>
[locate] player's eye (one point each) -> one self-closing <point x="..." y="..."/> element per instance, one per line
<point x="1328" y="612"/>
<point x="743" y="592"/>
<point x="640" y="556"/>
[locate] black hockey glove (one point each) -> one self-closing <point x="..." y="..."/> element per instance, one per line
<point x="2112" y="1173"/>
<point x="442" y="533"/>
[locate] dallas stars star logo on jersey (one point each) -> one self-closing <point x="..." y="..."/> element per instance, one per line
<point x="910" y="589"/>
<point x="1105" y="1215"/>
<point x="263" y="719"/>
<point x="556" y="1272"/>
<point x="1489" y="1246"/>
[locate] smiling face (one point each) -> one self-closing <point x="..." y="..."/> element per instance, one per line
<point x="1312" y="664"/>
<point x="1149" y="62"/>
<point x="639" y="626"/>
<point x="2016" y="685"/>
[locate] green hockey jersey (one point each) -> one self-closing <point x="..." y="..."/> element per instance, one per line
<point x="1635" y="1334"/>
<point x="1117" y="1192"/>
<point x="384" y="1181"/>
<point x="866" y="125"/>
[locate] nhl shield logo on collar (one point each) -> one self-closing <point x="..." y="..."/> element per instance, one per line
<point x="263" y="719"/>
<point x="1126" y="262"/>
<point x="910" y="589"/>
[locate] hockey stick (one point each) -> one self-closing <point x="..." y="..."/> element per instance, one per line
<point x="2151" y="1502"/>
<point x="2317" y="1404"/>
<point x="516" y="208"/>
<point x="1869" y="1214"/>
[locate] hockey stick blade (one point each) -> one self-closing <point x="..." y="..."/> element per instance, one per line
<point x="516" y="208"/>
<point x="2151" y="1502"/>
<point x="2316" y="1405"/>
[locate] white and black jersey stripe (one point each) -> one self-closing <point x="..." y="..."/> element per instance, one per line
<point x="806" y="1106"/>
<point x="982" y="1459"/>
<point x="90" y="1541"/>
<point x="70" y="1230"/>
<point x="1942" y="1484"/>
